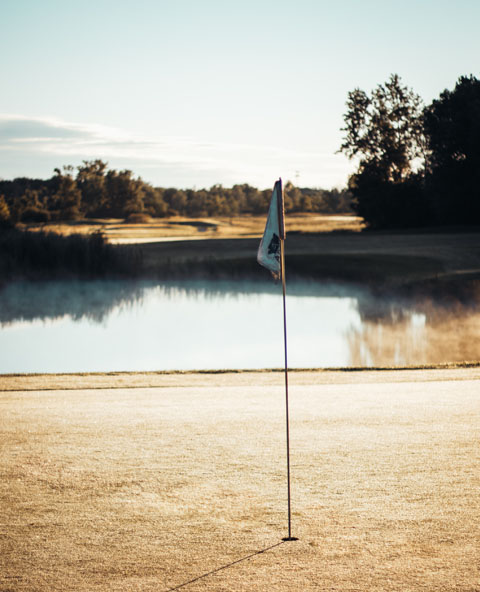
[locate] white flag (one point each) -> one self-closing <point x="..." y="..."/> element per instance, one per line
<point x="269" y="250"/>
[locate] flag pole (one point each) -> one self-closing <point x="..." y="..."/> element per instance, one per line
<point x="281" y="225"/>
<point x="271" y="254"/>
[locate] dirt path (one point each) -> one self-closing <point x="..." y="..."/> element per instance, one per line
<point x="151" y="481"/>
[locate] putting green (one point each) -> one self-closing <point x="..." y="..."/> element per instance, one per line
<point x="109" y="487"/>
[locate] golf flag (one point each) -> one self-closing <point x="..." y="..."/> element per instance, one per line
<point x="269" y="250"/>
<point x="271" y="254"/>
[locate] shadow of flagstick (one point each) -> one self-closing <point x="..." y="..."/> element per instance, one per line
<point x="225" y="567"/>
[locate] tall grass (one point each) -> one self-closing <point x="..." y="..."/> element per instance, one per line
<point x="42" y="255"/>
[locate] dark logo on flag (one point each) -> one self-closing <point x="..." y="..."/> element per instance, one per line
<point x="274" y="247"/>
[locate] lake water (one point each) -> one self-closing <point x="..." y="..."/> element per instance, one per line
<point x="78" y="326"/>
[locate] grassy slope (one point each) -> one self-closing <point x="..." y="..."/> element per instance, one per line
<point x="384" y="258"/>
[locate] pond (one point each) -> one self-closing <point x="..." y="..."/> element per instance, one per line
<point x="87" y="326"/>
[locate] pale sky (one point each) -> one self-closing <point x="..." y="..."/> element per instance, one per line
<point x="190" y="93"/>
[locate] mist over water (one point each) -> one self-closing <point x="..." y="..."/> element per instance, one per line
<point x="74" y="326"/>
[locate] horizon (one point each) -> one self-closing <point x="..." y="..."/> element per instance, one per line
<point x="166" y="187"/>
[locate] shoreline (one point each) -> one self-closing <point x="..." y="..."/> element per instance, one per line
<point x="379" y="258"/>
<point x="28" y="382"/>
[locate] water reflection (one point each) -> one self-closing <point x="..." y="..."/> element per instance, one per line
<point x="76" y="299"/>
<point x="94" y="300"/>
<point x="120" y="325"/>
<point x="420" y="330"/>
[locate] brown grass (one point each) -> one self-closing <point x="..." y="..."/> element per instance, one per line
<point x="150" y="488"/>
<point x="178" y="227"/>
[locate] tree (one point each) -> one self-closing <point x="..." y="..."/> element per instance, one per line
<point x="176" y="200"/>
<point x="91" y="182"/>
<point x="237" y="199"/>
<point x="67" y="198"/>
<point x="125" y="194"/>
<point x="292" y="197"/>
<point x="452" y="127"/>
<point x="154" y="202"/>
<point x="385" y="132"/>
<point x="336" y="201"/>
<point x="31" y="207"/>
<point x="254" y="199"/>
<point x="5" y="220"/>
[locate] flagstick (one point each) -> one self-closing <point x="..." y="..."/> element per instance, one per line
<point x="282" y="271"/>
<point x="268" y="257"/>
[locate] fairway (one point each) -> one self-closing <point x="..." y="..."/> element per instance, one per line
<point x="148" y="482"/>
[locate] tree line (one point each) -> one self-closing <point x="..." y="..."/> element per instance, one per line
<point x="92" y="190"/>
<point x="418" y="165"/>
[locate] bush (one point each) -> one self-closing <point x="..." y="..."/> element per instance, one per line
<point x="5" y="217"/>
<point x="138" y="219"/>
<point x="40" y="255"/>
<point x="72" y="213"/>
<point x="33" y="214"/>
<point x="386" y="204"/>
